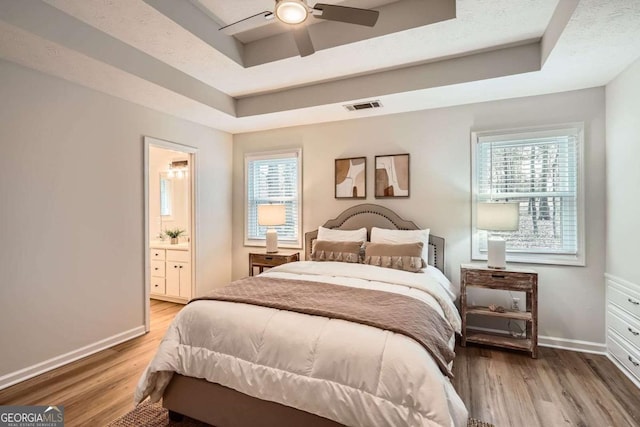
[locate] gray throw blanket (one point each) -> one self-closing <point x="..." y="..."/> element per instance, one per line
<point x="384" y="310"/>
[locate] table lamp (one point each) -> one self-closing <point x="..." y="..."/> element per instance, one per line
<point x="270" y="216"/>
<point x="497" y="217"/>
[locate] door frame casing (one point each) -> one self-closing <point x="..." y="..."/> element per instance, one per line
<point x="193" y="177"/>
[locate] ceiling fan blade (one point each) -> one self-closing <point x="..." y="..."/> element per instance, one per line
<point x="248" y="23"/>
<point x="350" y="15"/>
<point x="303" y="40"/>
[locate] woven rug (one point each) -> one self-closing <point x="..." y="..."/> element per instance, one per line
<point x="154" y="415"/>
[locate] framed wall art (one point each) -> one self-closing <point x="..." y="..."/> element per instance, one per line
<point x="351" y="178"/>
<point x="392" y="176"/>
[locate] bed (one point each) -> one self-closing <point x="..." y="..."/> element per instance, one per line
<point x="234" y="364"/>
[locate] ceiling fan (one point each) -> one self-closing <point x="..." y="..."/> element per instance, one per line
<point x="295" y="12"/>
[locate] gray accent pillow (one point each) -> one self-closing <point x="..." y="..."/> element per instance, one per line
<point x="329" y="250"/>
<point x="400" y="256"/>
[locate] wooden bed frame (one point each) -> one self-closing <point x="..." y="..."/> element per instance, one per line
<point x="224" y="407"/>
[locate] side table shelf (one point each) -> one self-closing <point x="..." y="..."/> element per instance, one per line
<point x="264" y="260"/>
<point x="517" y="280"/>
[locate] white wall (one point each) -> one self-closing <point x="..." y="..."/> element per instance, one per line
<point x="623" y="174"/>
<point x="571" y="298"/>
<point x="71" y="208"/>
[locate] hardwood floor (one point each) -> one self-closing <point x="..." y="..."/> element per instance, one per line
<point x="99" y="388"/>
<point x="560" y="388"/>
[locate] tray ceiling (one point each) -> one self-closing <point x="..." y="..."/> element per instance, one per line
<point x="492" y="49"/>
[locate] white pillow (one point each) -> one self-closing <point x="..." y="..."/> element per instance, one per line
<point x="359" y="235"/>
<point x="382" y="235"/>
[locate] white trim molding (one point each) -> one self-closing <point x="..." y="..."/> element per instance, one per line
<point x="64" y="359"/>
<point x="573" y="345"/>
<point x="557" y="342"/>
<point x="194" y="196"/>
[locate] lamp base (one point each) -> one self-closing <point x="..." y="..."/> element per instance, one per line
<point x="496" y="253"/>
<point x="272" y="241"/>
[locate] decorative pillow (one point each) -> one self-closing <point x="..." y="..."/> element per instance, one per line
<point x="331" y="234"/>
<point x="401" y="256"/>
<point x="382" y="235"/>
<point x="330" y="250"/>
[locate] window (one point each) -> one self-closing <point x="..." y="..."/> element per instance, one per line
<point x="542" y="170"/>
<point x="274" y="177"/>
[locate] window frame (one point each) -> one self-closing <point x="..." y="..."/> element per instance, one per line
<point x="264" y="155"/>
<point x="535" y="256"/>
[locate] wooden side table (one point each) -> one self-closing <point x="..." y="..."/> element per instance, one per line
<point x="518" y="280"/>
<point x="264" y="260"/>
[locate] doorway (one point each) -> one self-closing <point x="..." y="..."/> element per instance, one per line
<point x="169" y="222"/>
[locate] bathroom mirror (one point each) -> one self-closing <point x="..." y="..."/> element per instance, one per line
<point x="174" y="201"/>
<point x="166" y="194"/>
<point x="170" y="181"/>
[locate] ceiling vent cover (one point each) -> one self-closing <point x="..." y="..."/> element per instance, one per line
<point x="363" y="105"/>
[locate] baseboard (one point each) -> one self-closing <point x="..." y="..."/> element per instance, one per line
<point x="573" y="345"/>
<point x="64" y="359"/>
<point x="556" y="342"/>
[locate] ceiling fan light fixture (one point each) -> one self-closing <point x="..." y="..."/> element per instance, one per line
<point x="291" y="11"/>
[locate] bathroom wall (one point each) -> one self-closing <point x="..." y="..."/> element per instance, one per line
<point x="159" y="160"/>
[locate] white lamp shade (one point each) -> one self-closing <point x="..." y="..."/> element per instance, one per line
<point x="498" y="216"/>
<point x="269" y="215"/>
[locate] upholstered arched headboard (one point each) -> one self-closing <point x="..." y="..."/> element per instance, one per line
<point x="369" y="215"/>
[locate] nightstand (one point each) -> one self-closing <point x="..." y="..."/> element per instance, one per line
<point x="517" y="280"/>
<point x="263" y="260"/>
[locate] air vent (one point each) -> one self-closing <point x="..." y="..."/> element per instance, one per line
<point x="363" y="105"/>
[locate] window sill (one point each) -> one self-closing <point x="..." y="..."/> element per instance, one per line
<point x="548" y="259"/>
<point x="281" y="245"/>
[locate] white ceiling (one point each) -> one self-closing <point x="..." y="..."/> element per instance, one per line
<point x="493" y="49"/>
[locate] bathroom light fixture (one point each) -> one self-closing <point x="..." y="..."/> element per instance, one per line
<point x="178" y="169"/>
<point x="292" y="11"/>
<point x="497" y="217"/>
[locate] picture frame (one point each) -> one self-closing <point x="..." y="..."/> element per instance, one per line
<point x="350" y="178"/>
<point x="392" y="176"/>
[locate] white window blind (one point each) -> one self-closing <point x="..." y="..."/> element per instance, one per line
<point x="541" y="171"/>
<point x="273" y="178"/>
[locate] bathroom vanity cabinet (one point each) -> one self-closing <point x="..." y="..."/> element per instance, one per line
<point x="170" y="273"/>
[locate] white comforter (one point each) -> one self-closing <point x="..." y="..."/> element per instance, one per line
<point x="354" y="374"/>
